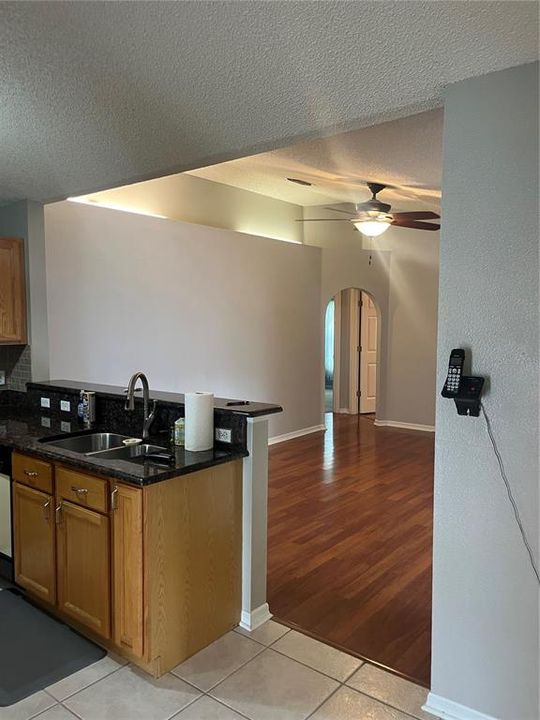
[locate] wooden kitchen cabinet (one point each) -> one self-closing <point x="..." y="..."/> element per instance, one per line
<point x="153" y="572"/>
<point x="83" y="566"/>
<point x="128" y="568"/>
<point x="34" y="541"/>
<point x="12" y="292"/>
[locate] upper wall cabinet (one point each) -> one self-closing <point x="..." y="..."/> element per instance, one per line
<point x="12" y="292"/>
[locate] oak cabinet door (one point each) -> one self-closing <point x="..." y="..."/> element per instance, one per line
<point x="12" y="292"/>
<point x="33" y="535"/>
<point x="83" y="567"/>
<point x="128" y="568"/>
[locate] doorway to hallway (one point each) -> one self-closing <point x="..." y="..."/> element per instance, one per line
<point x="351" y="354"/>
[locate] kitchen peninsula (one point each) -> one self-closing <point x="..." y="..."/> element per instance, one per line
<point x="148" y="555"/>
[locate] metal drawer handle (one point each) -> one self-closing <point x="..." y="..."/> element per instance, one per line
<point x="46" y="510"/>
<point x="58" y="514"/>
<point x="79" y="490"/>
<point x="114" y="502"/>
<point x="31" y="473"/>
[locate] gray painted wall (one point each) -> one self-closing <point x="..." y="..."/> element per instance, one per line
<point x="485" y="596"/>
<point x="24" y="219"/>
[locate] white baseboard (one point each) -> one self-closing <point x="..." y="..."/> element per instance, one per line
<point x="449" y="710"/>
<point x="295" y="434"/>
<point x="254" y="619"/>
<point x="404" y="426"/>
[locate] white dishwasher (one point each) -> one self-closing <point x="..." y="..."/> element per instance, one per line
<point x="5" y="503"/>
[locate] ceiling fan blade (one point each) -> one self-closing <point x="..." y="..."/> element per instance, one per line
<point x="416" y="215"/>
<point x="415" y="224"/>
<point x="325" y="220"/>
<point x="345" y="212"/>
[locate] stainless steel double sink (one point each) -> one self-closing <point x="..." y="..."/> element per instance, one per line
<point x="107" y="446"/>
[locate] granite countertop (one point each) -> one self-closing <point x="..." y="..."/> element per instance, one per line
<point x="23" y="430"/>
<point x="247" y="408"/>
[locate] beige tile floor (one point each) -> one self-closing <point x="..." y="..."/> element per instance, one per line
<point x="272" y="673"/>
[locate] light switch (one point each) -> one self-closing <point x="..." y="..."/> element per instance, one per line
<point x="65" y="405"/>
<point x="45" y="402"/>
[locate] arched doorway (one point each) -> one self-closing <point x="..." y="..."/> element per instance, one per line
<point x="351" y="353"/>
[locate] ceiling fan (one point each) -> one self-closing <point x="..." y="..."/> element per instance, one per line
<point x="373" y="217"/>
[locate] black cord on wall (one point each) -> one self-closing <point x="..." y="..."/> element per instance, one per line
<point x="510" y="494"/>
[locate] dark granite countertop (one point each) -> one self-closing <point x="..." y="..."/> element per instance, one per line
<point x="247" y="408"/>
<point x="23" y="430"/>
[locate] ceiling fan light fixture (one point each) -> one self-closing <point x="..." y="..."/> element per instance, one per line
<point x="372" y="223"/>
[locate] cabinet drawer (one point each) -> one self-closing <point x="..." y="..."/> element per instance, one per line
<point x="33" y="472"/>
<point x="86" y="490"/>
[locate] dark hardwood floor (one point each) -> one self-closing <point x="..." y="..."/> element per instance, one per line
<point x="350" y="533"/>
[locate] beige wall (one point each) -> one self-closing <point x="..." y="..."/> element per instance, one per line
<point x="195" y="307"/>
<point x="195" y="200"/>
<point x="401" y="274"/>
<point x="411" y="389"/>
<point x="355" y="267"/>
<point x="194" y="275"/>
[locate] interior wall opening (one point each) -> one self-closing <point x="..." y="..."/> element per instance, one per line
<point x="351" y="353"/>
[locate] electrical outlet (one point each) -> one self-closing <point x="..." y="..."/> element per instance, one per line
<point x="45" y="422"/>
<point x="65" y="405"/>
<point x="65" y="426"/>
<point x="2" y="377"/>
<point x="224" y="435"/>
<point x="45" y="402"/>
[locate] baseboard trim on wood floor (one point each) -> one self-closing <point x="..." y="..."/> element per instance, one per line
<point x="449" y="710"/>
<point x="295" y="434"/>
<point x="404" y="425"/>
<point x="254" y="619"/>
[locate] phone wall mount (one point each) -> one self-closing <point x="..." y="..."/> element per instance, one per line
<point x="468" y="398"/>
<point x="465" y="390"/>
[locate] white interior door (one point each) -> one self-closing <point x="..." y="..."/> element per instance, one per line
<point x="368" y="355"/>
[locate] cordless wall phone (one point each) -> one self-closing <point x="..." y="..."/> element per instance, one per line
<point x="455" y="372"/>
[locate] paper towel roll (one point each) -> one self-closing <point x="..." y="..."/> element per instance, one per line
<point x="199" y="411"/>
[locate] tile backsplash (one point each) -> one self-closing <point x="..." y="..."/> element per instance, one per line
<point x="15" y="362"/>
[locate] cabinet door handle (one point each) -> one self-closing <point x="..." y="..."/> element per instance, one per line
<point x="79" y="490"/>
<point x="31" y="473"/>
<point x="114" y="502"/>
<point x="46" y="510"/>
<point x="58" y="514"/>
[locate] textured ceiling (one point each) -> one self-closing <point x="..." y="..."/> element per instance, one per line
<point x="405" y="153"/>
<point x="98" y="94"/>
